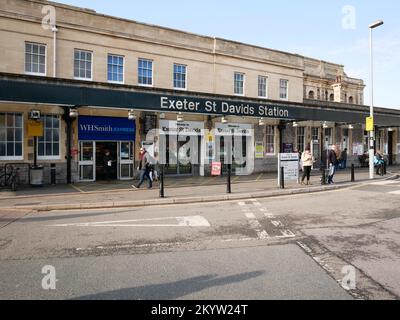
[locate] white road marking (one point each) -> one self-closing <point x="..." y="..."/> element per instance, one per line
<point x="395" y="192"/>
<point x="385" y="183"/>
<point x="193" y="221"/>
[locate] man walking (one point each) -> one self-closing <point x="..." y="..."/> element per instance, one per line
<point x="332" y="163"/>
<point x="145" y="168"/>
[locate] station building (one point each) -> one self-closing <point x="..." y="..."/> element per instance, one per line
<point x="85" y="72"/>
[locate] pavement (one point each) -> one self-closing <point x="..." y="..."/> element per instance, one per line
<point x="177" y="191"/>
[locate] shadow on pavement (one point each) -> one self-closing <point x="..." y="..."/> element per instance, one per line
<point x="172" y="290"/>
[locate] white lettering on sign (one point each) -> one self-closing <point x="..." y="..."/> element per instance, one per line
<point x="223" y="107"/>
<point x="273" y="112"/>
<point x="180" y="105"/>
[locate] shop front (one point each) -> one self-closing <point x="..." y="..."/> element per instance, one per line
<point x="184" y="144"/>
<point x="233" y="140"/>
<point x="106" y="148"/>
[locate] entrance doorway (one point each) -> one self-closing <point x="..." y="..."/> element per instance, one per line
<point x="179" y="155"/>
<point x="93" y="161"/>
<point x="106" y="152"/>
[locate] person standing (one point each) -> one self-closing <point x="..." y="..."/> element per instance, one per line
<point x="144" y="168"/>
<point x="308" y="161"/>
<point x="107" y="164"/>
<point x="332" y="163"/>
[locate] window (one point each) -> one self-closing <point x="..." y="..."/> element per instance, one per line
<point x="351" y="100"/>
<point x="11" y="136"/>
<point x="83" y="64"/>
<point x="239" y="83"/>
<point x="315" y="134"/>
<point x="270" y="140"/>
<point x="35" y="58"/>
<point x="300" y="139"/>
<point x="49" y="144"/>
<point x="284" y="89"/>
<point x="262" y="87"/>
<point x="332" y="97"/>
<point x="311" y="95"/>
<point x="115" y="68"/>
<point x="179" y="76"/>
<point x="145" y="72"/>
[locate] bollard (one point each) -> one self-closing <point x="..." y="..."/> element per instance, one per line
<point x="282" y="182"/>
<point x="229" y="182"/>
<point x="384" y="167"/>
<point x="53" y="174"/>
<point x="353" y="179"/>
<point x="323" y="178"/>
<point x="162" y="182"/>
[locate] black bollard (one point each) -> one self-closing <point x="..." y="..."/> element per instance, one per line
<point x="162" y="182"/>
<point x="282" y="182"/>
<point x="229" y="180"/>
<point x="352" y="173"/>
<point x="323" y="178"/>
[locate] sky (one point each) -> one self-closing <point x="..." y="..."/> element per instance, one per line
<point x="335" y="31"/>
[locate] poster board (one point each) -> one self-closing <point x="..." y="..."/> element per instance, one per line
<point x="290" y="163"/>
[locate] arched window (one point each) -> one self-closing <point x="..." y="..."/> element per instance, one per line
<point x="351" y="100"/>
<point x="311" y="95"/>
<point x="332" y="97"/>
<point x="326" y="95"/>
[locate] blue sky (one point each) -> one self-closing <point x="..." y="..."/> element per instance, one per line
<point x="315" y="28"/>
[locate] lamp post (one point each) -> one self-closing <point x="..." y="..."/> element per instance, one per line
<point x="372" y="133"/>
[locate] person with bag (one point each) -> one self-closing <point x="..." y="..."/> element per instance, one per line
<point x="307" y="160"/>
<point x="332" y="163"/>
<point x="144" y="168"/>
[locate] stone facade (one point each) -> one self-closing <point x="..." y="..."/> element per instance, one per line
<point x="211" y="65"/>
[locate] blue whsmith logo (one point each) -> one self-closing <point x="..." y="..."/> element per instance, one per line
<point x="106" y="129"/>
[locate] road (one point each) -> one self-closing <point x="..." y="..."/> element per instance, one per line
<point x="295" y="247"/>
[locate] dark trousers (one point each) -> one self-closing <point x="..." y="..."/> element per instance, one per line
<point x="145" y="174"/>
<point x="306" y="173"/>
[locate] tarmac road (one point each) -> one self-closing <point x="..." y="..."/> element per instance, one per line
<point x="293" y="247"/>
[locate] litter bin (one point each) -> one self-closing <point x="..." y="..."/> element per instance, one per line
<point x="36" y="176"/>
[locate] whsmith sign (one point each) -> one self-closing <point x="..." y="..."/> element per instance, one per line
<point x="74" y="93"/>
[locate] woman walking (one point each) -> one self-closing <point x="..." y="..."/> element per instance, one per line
<point x="308" y="161"/>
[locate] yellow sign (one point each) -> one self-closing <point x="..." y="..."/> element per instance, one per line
<point x="370" y="124"/>
<point x="35" y="128"/>
<point x="210" y="137"/>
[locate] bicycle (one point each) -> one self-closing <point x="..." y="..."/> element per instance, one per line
<point x="9" y="177"/>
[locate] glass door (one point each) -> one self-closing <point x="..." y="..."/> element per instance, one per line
<point x="87" y="161"/>
<point x="126" y="160"/>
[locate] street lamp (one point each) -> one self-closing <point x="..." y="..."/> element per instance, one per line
<point x="372" y="133"/>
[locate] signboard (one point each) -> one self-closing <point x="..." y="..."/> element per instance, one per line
<point x="237" y="129"/>
<point x="288" y="148"/>
<point x="35" y="128"/>
<point x="259" y="150"/>
<point x="370" y="124"/>
<point x="216" y="168"/>
<point x="290" y="163"/>
<point x="92" y="128"/>
<point x="188" y="128"/>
